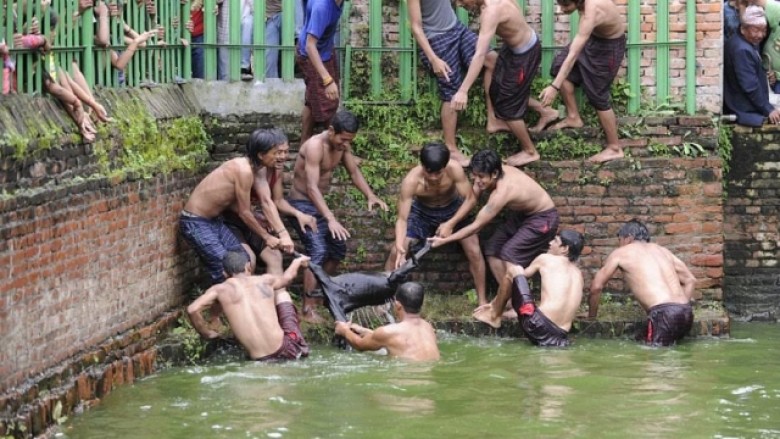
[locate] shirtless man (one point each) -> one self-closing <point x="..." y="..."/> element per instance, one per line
<point x="412" y="338"/>
<point x="433" y="192"/>
<point x="312" y="175"/>
<point x="548" y="324"/>
<point x="531" y="224"/>
<point x="227" y="187"/>
<point x="660" y="281"/>
<point x="260" y="312"/>
<point x="591" y="60"/>
<point x="273" y="147"/>
<point x="510" y="84"/>
<point x="446" y="49"/>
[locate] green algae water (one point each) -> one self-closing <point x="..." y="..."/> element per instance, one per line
<point x="481" y="388"/>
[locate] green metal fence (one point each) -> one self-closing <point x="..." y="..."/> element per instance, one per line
<point x="387" y="68"/>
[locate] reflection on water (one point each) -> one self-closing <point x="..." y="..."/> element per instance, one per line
<point x="485" y="387"/>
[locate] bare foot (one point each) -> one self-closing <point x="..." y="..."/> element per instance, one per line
<point x="485" y="314"/>
<point x="606" y="155"/>
<point x="311" y="316"/>
<point x="101" y="113"/>
<point x="546" y="116"/>
<point x="460" y="158"/>
<point x="496" y="125"/>
<point x="509" y="313"/>
<point x="567" y="123"/>
<point x="522" y="158"/>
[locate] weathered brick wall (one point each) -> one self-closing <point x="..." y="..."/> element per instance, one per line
<point x="751" y="225"/>
<point x="708" y="42"/>
<point x="83" y="257"/>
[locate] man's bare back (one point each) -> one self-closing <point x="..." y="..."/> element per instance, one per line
<point x="218" y="190"/>
<point x="608" y="22"/>
<point x="650" y="271"/>
<point x="249" y="305"/>
<point x="561" y="288"/>
<point x="411" y="339"/>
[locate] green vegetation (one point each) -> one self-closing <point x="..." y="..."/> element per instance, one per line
<point x="194" y="346"/>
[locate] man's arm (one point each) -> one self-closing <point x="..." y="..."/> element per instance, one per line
<point x="360" y="182"/>
<point x="263" y="192"/>
<point x="495" y="203"/>
<point x="196" y="308"/>
<point x="463" y="186"/>
<point x="586" y="26"/>
<point x="440" y="68"/>
<point x="285" y="208"/>
<point x="600" y="280"/>
<point x="366" y="340"/>
<point x="244" y="179"/>
<point x="488" y="21"/>
<point x="290" y="273"/>
<point x="404" y="206"/>
<point x="687" y="279"/>
<point x="313" y="158"/>
<point x="331" y="90"/>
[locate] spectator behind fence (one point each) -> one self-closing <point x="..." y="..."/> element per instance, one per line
<point x="195" y="26"/>
<point x="9" y="70"/>
<point x="746" y="86"/>
<point x="132" y="39"/>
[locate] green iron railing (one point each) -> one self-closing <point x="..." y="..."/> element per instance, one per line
<point x="167" y="59"/>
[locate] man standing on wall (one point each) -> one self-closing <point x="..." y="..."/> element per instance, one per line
<point x="592" y="61"/>
<point x="258" y="308"/>
<point x="317" y="60"/>
<point x="312" y="175"/>
<point x="431" y="195"/>
<point x="227" y="187"/>
<point x="532" y="221"/>
<point x="660" y="281"/>
<point x="515" y="69"/>
<point x="446" y="48"/>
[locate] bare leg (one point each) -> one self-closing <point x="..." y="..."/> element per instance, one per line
<point x="497" y="267"/>
<point x="612" y="150"/>
<point x="527" y="152"/>
<point x="449" y="123"/>
<point x="252" y="256"/>
<point x="273" y="261"/>
<point x="573" y="119"/>
<point x="546" y="115"/>
<point x="65" y="94"/>
<point x="476" y="265"/>
<point x="81" y="81"/>
<point x="492" y="313"/>
<point x="308" y="124"/>
<point x="493" y="125"/>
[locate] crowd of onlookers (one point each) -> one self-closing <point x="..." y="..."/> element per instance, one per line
<point x="751" y="61"/>
<point x="37" y="32"/>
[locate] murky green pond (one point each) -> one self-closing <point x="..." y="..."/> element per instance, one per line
<point x="500" y="388"/>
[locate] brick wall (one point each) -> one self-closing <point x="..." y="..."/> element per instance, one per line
<point x="751" y="224"/>
<point x="708" y="43"/>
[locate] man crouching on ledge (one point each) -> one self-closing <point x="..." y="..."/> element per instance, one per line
<point x="261" y="314"/>
<point x="412" y="338"/>
<point x="550" y="322"/>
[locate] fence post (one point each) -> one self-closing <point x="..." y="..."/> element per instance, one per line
<point x="288" y="38"/>
<point x="662" y="53"/>
<point x="375" y="43"/>
<point x="258" y="39"/>
<point x="634" y="55"/>
<point x="690" y="57"/>
<point x="186" y="70"/>
<point x="548" y="31"/>
<point x="405" y="58"/>
<point x="209" y="40"/>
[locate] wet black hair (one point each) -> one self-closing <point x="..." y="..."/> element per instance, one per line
<point x="634" y="229"/>
<point x="263" y="140"/>
<point x="487" y="161"/>
<point x="577" y="3"/>
<point x="234" y="261"/>
<point x="434" y="156"/>
<point x="410" y="296"/>
<point x="345" y="121"/>
<point x="574" y="241"/>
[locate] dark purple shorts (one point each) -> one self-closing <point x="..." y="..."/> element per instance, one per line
<point x="667" y="323"/>
<point x="522" y="238"/>
<point x="293" y="345"/>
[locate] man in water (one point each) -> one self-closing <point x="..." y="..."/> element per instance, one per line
<point x="659" y="280"/>
<point x="550" y="322"/>
<point x="312" y="175"/>
<point x="227" y="187"/>
<point x="532" y="221"/>
<point x="510" y="84"/>
<point x="260" y="312"/>
<point x="412" y="338"/>
<point x="591" y="60"/>
<point x="432" y="193"/>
